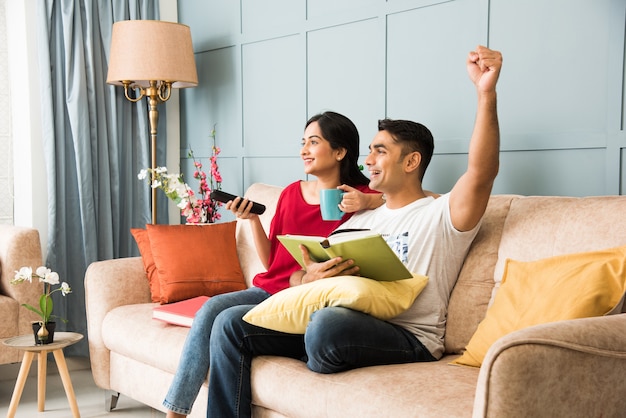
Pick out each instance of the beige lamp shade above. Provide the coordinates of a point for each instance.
(145, 50)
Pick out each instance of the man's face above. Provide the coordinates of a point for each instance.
(385, 164)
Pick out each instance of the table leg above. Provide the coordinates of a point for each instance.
(67, 382)
(42, 371)
(19, 384)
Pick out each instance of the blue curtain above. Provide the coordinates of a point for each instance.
(95, 142)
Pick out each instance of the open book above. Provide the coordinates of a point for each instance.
(368, 249)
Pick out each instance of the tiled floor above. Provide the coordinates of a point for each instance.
(89, 397)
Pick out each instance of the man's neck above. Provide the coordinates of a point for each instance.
(402, 198)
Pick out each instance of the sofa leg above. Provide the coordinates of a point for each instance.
(110, 400)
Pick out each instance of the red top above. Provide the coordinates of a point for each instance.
(293, 216)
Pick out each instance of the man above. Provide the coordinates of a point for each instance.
(432, 235)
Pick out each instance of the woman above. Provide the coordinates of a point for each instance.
(330, 150)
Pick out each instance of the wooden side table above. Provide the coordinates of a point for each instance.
(27, 344)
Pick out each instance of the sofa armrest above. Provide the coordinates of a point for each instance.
(20, 247)
(109, 284)
(565, 368)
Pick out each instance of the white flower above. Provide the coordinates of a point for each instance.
(52, 278)
(24, 274)
(156, 184)
(42, 271)
(181, 190)
(65, 288)
(161, 170)
(142, 174)
(46, 275)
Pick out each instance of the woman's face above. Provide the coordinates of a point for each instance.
(318, 156)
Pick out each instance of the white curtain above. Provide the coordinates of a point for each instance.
(95, 142)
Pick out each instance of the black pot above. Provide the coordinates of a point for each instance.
(44, 339)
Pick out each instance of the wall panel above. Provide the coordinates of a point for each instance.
(346, 73)
(329, 8)
(265, 66)
(269, 15)
(213, 23)
(216, 101)
(556, 66)
(273, 96)
(426, 80)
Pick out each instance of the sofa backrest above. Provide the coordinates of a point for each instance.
(527, 228)
(248, 257)
(522, 228)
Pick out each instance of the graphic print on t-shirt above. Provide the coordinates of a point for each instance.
(399, 244)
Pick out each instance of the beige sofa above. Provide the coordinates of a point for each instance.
(567, 368)
(19, 247)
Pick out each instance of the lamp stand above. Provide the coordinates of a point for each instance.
(156, 93)
(153, 116)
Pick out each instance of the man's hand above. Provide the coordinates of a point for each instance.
(355, 200)
(333, 267)
(483, 67)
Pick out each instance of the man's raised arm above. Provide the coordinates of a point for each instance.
(470, 195)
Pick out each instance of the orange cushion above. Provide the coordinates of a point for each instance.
(143, 243)
(195, 260)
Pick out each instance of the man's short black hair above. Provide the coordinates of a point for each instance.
(413, 136)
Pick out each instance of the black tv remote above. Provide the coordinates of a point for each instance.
(224, 197)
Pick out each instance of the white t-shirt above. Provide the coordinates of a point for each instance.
(422, 235)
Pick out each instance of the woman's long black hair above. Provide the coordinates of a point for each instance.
(340, 132)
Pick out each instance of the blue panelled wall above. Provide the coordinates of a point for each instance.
(265, 66)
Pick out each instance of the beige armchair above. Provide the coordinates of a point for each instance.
(19, 246)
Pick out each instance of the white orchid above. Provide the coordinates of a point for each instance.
(49, 278)
(65, 288)
(24, 274)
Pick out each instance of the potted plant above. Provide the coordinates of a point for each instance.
(44, 329)
(196, 207)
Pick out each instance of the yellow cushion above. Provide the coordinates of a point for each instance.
(552, 289)
(290, 310)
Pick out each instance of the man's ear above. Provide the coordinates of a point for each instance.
(412, 161)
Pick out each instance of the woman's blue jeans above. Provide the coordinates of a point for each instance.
(194, 361)
(336, 339)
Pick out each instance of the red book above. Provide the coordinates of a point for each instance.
(179, 313)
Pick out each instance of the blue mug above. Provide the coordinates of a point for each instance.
(329, 204)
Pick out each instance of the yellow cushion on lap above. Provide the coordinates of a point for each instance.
(553, 289)
(290, 310)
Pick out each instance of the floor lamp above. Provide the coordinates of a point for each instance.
(151, 57)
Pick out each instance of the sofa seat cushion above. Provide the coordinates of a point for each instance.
(434, 389)
(131, 332)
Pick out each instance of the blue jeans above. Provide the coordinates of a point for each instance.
(336, 339)
(194, 361)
